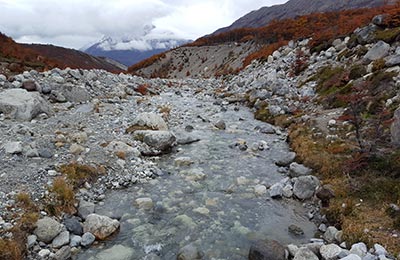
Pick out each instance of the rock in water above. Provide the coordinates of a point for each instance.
(23, 105)
(189, 252)
(267, 250)
(160, 140)
(100, 226)
(47, 229)
(305, 186)
(117, 252)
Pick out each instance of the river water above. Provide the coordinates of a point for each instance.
(212, 202)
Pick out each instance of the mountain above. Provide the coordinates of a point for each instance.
(130, 49)
(231, 51)
(294, 8)
(74, 58)
(16, 57)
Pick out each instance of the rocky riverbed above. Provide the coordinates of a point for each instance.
(183, 169)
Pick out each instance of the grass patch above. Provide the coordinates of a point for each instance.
(78, 174)
(388, 35)
(11, 249)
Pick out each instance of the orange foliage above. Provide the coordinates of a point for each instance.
(147, 62)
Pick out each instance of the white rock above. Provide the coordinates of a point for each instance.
(359, 249)
(13, 147)
(351, 257)
(379, 250)
(260, 190)
(330, 252)
(100, 226)
(144, 203)
(44, 253)
(276, 190)
(330, 234)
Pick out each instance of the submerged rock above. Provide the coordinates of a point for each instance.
(267, 250)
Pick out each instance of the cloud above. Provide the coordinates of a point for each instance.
(74, 23)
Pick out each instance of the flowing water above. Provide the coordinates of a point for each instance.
(212, 202)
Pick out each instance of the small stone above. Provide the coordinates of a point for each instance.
(44, 253)
(260, 190)
(76, 149)
(276, 190)
(45, 153)
(286, 160)
(288, 191)
(73, 225)
(31, 240)
(202, 211)
(305, 254)
(296, 170)
(100, 226)
(13, 147)
(330, 234)
(189, 252)
(63, 254)
(359, 249)
(220, 125)
(242, 180)
(85, 208)
(330, 252)
(380, 250)
(351, 257)
(295, 230)
(87, 239)
(322, 227)
(75, 241)
(144, 203)
(61, 240)
(183, 161)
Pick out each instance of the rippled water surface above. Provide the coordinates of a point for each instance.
(212, 202)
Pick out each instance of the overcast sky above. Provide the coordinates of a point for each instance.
(77, 23)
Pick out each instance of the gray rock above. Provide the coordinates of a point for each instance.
(117, 146)
(380, 250)
(359, 249)
(305, 254)
(351, 257)
(45, 153)
(85, 208)
(286, 160)
(73, 225)
(220, 125)
(267, 129)
(87, 239)
(144, 203)
(160, 140)
(267, 250)
(189, 252)
(393, 60)
(366, 34)
(295, 230)
(379, 19)
(23, 105)
(296, 170)
(395, 128)
(100, 226)
(305, 186)
(30, 85)
(75, 241)
(330, 252)
(31, 241)
(61, 240)
(119, 252)
(75, 93)
(276, 190)
(378, 51)
(369, 256)
(287, 191)
(44, 253)
(13, 147)
(330, 234)
(150, 121)
(63, 254)
(47, 229)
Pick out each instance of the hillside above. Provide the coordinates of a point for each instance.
(15, 57)
(259, 42)
(294, 8)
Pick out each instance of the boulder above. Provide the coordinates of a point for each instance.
(267, 250)
(23, 105)
(395, 128)
(305, 254)
(305, 186)
(47, 229)
(160, 140)
(296, 170)
(393, 60)
(276, 190)
(286, 160)
(378, 51)
(100, 226)
(330, 234)
(75, 93)
(30, 85)
(359, 249)
(148, 121)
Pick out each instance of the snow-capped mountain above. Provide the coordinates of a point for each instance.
(132, 48)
